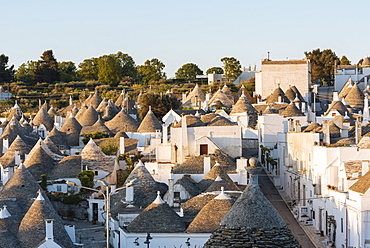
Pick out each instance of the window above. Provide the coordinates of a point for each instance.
(177, 195)
(59, 188)
(341, 225)
(96, 173)
(204, 149)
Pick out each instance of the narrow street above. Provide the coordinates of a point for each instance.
(277, 201)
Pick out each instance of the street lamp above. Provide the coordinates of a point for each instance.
(106, 196)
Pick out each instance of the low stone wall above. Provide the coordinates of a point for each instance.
(246, 237)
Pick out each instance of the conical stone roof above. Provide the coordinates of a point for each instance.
(274, 97)
(89, 117)
(209, 218)
(122, 122)
(355, 97)
(228, 93)
(58, 138)
(102, 105)
(244, 91)
(195, 95)
(42, 117)
(72, 129)
(50, 144)
(158, 217)
(95, 100)
(211, 176)
(38, 162)
(52, 112)
(291, 110)
(32, 230)
(17, 145)
(150, 123)
(223, 98)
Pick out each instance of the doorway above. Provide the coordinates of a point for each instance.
(204, 149)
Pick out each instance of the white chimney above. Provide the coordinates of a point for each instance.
(121, 145)
(365, 167)
(49, 229)
(165, 134)
(17, 158)
(207, 165)
(130, 194)
(171, 192)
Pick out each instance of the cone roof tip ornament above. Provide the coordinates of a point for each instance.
(222, 195)
(159, 199)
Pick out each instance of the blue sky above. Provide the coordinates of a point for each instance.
(175, 32)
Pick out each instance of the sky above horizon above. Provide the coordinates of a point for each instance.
(200, 32)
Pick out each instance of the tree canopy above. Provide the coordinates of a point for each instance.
(152, 70)
(344, 61)
(232, 68)
(27, 72)
(88, 69)
(215, 69)
(47, 68)
(160, 104)
(6, 72)
(67, 71)
(322, 64)
(188, 71)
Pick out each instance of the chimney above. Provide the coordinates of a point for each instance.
(358, 130)
(365, 115)
(17, 158)
(165, 134)
(326, 131)
(207, 165)
(279, 99)
(130, 194)
(335, 96)
(121, 145)
(365, 167)
(290, 125)
(183, 97)
(49, 229)
(297, 126)
(171, 192)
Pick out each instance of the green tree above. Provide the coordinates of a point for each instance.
(67, 71)
(128, 66)
(188, 71)
(109, 147)
(232, 68)
(87, 179)
(322, 64)
(88, 69)
(26, 72)
(109, 69)
(6, 72)
(152, 70)
(160, 104)
(47, 68)
(344, 61)
(217, 70)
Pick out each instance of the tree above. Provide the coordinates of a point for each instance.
(67, 71)
(87, 179)
(152, 70)
(216, 70)
(160, 104)
(88, 69)
(109, 69)
(27, 72)
(322, 64)
(6, 72)
(47, 68)
(344, 61)
(128, 66)
(188, 71)
(232, 68)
